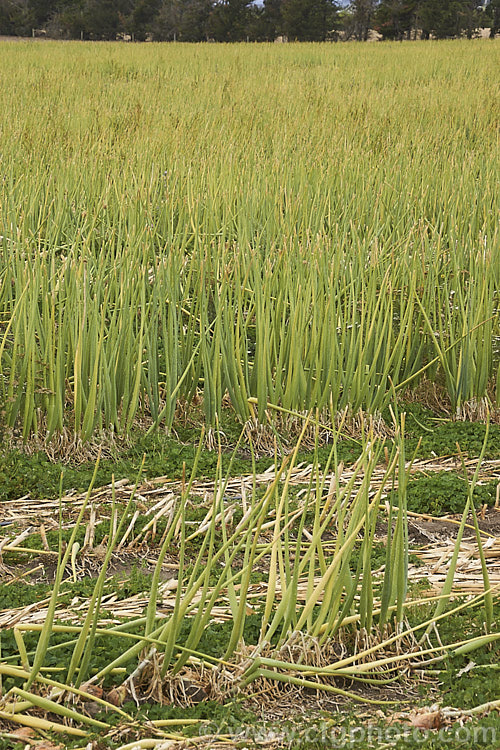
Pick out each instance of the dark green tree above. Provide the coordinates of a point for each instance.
(41, 11)
(68, 22)
(272, 19)
(15, 18)
(395, 19)
(142, 18)
(182, 20)
(448, 18)
(493, 17)
(228, 20)
(359, 19)
(425, 17)
(472, 16)
(308, 20)
(488, 16)
(103, 19)
(257, 29)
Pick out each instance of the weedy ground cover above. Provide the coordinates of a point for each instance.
(262, 589)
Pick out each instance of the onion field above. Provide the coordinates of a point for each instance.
(311, 227)
(258, 285)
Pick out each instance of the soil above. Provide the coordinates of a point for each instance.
(422, 531)
(121, 566)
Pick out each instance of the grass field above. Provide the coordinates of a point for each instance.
(249, 394)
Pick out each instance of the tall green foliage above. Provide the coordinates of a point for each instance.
(259, 222)
(308, 20)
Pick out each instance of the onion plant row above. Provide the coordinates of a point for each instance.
(308, 226)
(328, 619)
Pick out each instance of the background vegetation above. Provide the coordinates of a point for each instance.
(240, 20)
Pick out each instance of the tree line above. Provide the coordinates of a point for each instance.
(247, 20)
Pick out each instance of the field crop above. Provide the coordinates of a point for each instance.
(244, 245)
(308, 226)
